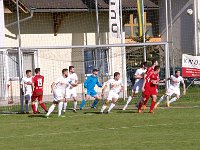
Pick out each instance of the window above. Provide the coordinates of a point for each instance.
(132, 28)
(96, 58)
(13, 63)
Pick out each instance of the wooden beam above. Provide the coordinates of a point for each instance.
(57, 21)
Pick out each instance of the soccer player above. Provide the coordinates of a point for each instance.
(71, 90)
(26, 86)
(149, 71)
(174, 88)
(89, 84)
(58, 88)
(37, 85)
(150, 89)
(116, 87)
(139, 76)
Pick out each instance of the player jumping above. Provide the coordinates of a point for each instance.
(139, 76)
(116, 87)
(174, 88)
(150, 89)
(26, 85)
(90, 84)
(37, 85)
(58, 88)
(71, 90)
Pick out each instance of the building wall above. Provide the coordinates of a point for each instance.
(182, 29)
(75, 29)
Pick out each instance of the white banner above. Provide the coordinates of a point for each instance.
(114, 19)
(190, 66)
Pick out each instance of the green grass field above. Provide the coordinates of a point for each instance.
(168, 128)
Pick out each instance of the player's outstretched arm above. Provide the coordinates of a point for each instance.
(143, 85)
(86, 82)
(164, 80)
(156, 82)
(98, 83)
(104, 88)
(184, 89)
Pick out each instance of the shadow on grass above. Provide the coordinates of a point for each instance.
(92, 112)
(126, 112)
(36, 116)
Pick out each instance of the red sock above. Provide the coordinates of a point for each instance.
(152, 105)
(43, 106)
(140, 105)
(34, 108)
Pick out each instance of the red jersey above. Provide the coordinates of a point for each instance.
(147, 83)
(153, 87)
(38, 81)
(150, 70)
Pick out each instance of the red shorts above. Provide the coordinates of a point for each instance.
(154, 91)
(37, 96)
(146, 95)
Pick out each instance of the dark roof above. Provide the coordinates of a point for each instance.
(81, 4)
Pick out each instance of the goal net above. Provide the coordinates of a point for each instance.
(89, 34)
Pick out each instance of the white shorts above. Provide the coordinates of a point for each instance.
(58, 95)
(172, 90)
(137, 88)
(71, 93)
(112, 95)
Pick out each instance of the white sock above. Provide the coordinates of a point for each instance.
(51, 109)
(112, 105)
(36, 106)
(172, 100)
(161, 99)
(75, 104)
(129, 100)
(60, 106)
(64, 106)
(103, 108)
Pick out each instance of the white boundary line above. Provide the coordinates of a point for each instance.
(95, 130)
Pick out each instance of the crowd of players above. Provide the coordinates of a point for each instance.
(64, 88)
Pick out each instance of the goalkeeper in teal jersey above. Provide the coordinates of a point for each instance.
(89, 84)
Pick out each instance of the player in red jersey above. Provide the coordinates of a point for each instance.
(150, 89)
(37, 85)
(149, 71)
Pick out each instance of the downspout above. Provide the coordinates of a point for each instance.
(22, 20)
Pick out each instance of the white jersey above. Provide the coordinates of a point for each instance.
(61, 83)
(73, 77)
(115, 85)
(140, 71)
(175, 81)
(27, 88)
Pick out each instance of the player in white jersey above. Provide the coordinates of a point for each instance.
(58, 89)
(26, 86)
(71, 90)
(174, 88)
(139, 79)
(116, 87)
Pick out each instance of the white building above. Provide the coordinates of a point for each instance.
(60, 23)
